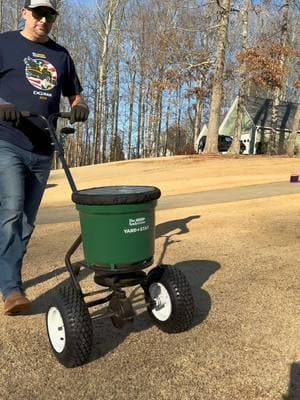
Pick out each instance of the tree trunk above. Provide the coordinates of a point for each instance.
(293, 135)
(55, 32)
(131, 101)
(197, 121)
(167, 126)
(179, 138)
(143, 126)
(112, 6)
(139, 121)
(16, 11)
(79, 134)
(95, 147)
(104, 125)
(115, 105)
(150, 125)
(158, 143)
(157, 119)
(235, 145)
(211, 146)
(273, 147)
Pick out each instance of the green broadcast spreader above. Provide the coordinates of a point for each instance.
(118, 235)
(127, 227)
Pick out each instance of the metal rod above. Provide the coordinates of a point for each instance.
(60, 151)
(96, 292)
(102, 314)
(100, 301)
(70, 252)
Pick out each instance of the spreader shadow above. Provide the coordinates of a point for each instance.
(43, 278)
(178, 225)
(40, 304)
(197, 273)
(171, 229)
(50, 185)
(294, 385)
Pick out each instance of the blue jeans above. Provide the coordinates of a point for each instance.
(23, 178)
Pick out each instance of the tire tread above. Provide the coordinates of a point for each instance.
(78, 327)
(179, 288)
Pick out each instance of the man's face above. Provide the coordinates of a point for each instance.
(37, 21)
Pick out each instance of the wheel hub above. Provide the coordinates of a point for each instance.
(162, 302)
(123, 311)
(56, 329)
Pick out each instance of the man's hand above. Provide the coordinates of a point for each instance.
(8, 112)
(79, 113)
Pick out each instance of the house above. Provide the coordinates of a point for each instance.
(256, 125)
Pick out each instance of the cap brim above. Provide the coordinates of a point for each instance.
(43, 4)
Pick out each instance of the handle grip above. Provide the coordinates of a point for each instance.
(65, 115)
(26, 114)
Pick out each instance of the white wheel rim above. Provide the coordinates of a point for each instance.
(163, 304)
(56, 329)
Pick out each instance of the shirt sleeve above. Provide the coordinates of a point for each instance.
(71, 85)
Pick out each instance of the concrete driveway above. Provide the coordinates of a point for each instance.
(219, 196)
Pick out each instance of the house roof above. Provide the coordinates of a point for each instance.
(260, 111)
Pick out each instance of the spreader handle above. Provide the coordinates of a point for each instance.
(26, 114)
(64, 115)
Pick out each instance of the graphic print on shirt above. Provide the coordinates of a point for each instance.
(41, 74)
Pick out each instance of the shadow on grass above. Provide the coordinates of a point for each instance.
(179, 225)
(294, 385)
(197, 273)
(169, 229)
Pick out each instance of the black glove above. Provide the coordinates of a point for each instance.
(79, 113)
(8, 112)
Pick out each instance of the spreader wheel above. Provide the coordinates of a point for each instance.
(69, 327)
(171, 300)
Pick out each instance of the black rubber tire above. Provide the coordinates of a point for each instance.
(77, 325)
(179, 290)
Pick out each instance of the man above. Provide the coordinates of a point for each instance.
(34, 72)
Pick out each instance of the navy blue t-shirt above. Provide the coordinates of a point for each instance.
(32, 77)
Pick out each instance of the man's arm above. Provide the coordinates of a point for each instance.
(77, 99)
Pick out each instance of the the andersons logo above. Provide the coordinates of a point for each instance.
(136, 225)
(137, 221)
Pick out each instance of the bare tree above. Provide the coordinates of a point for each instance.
(111, 8)
(115, 98)
(211, 146)
(235, 145)
(273, 148)
(294, 133)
